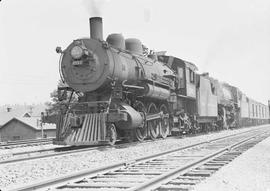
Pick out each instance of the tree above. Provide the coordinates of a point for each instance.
(55, 106)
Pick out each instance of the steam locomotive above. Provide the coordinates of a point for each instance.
(124, 91)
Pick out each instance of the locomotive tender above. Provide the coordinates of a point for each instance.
(125, 92)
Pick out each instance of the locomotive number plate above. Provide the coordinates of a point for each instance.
(77, 63)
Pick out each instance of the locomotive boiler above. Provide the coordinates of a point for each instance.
(122, 90)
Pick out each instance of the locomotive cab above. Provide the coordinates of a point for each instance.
(185, 108)
(185, 75)
(185, 87)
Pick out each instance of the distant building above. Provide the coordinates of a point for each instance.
(9, 112)
(19, 128)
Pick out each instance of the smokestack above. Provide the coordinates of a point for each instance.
(96, 28)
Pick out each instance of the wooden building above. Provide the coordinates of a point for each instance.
(19, 128)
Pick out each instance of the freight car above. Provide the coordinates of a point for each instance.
(126, 92)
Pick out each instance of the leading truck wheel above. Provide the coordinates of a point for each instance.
(165, 123)
(153, 125)
(111, 134)
(140, 134)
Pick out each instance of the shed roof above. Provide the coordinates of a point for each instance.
(20, 111)
(32, 122)
(6, 116)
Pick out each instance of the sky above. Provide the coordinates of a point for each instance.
(230, 39)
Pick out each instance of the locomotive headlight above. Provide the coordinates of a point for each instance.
(76, 52)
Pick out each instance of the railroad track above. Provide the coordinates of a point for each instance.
(65, 150)
(52, 152)
(23, 143)
(178, 169)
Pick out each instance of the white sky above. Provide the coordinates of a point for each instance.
(230, 39)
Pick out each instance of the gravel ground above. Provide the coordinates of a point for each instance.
(26, 172)
(248, 172)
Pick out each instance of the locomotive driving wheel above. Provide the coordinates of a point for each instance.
(165, 124)
(153, 125)
(140, 132)
(111, 134)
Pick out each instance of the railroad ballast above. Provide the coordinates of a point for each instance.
(124, 91)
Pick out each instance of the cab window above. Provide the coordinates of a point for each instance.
(181, 83)
(191, 76)
(180, 72)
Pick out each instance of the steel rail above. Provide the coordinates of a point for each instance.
(28, 140)
(25, 142)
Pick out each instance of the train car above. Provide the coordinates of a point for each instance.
(258, 113)
(207, 103)
(268, 111)
(124, 91)
(244, 116)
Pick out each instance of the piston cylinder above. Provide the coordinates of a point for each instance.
(134, 118)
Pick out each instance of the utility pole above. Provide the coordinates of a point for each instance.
(41, 126)
(42, 134)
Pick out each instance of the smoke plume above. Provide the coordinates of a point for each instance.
(147, 15)
(95, 8)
